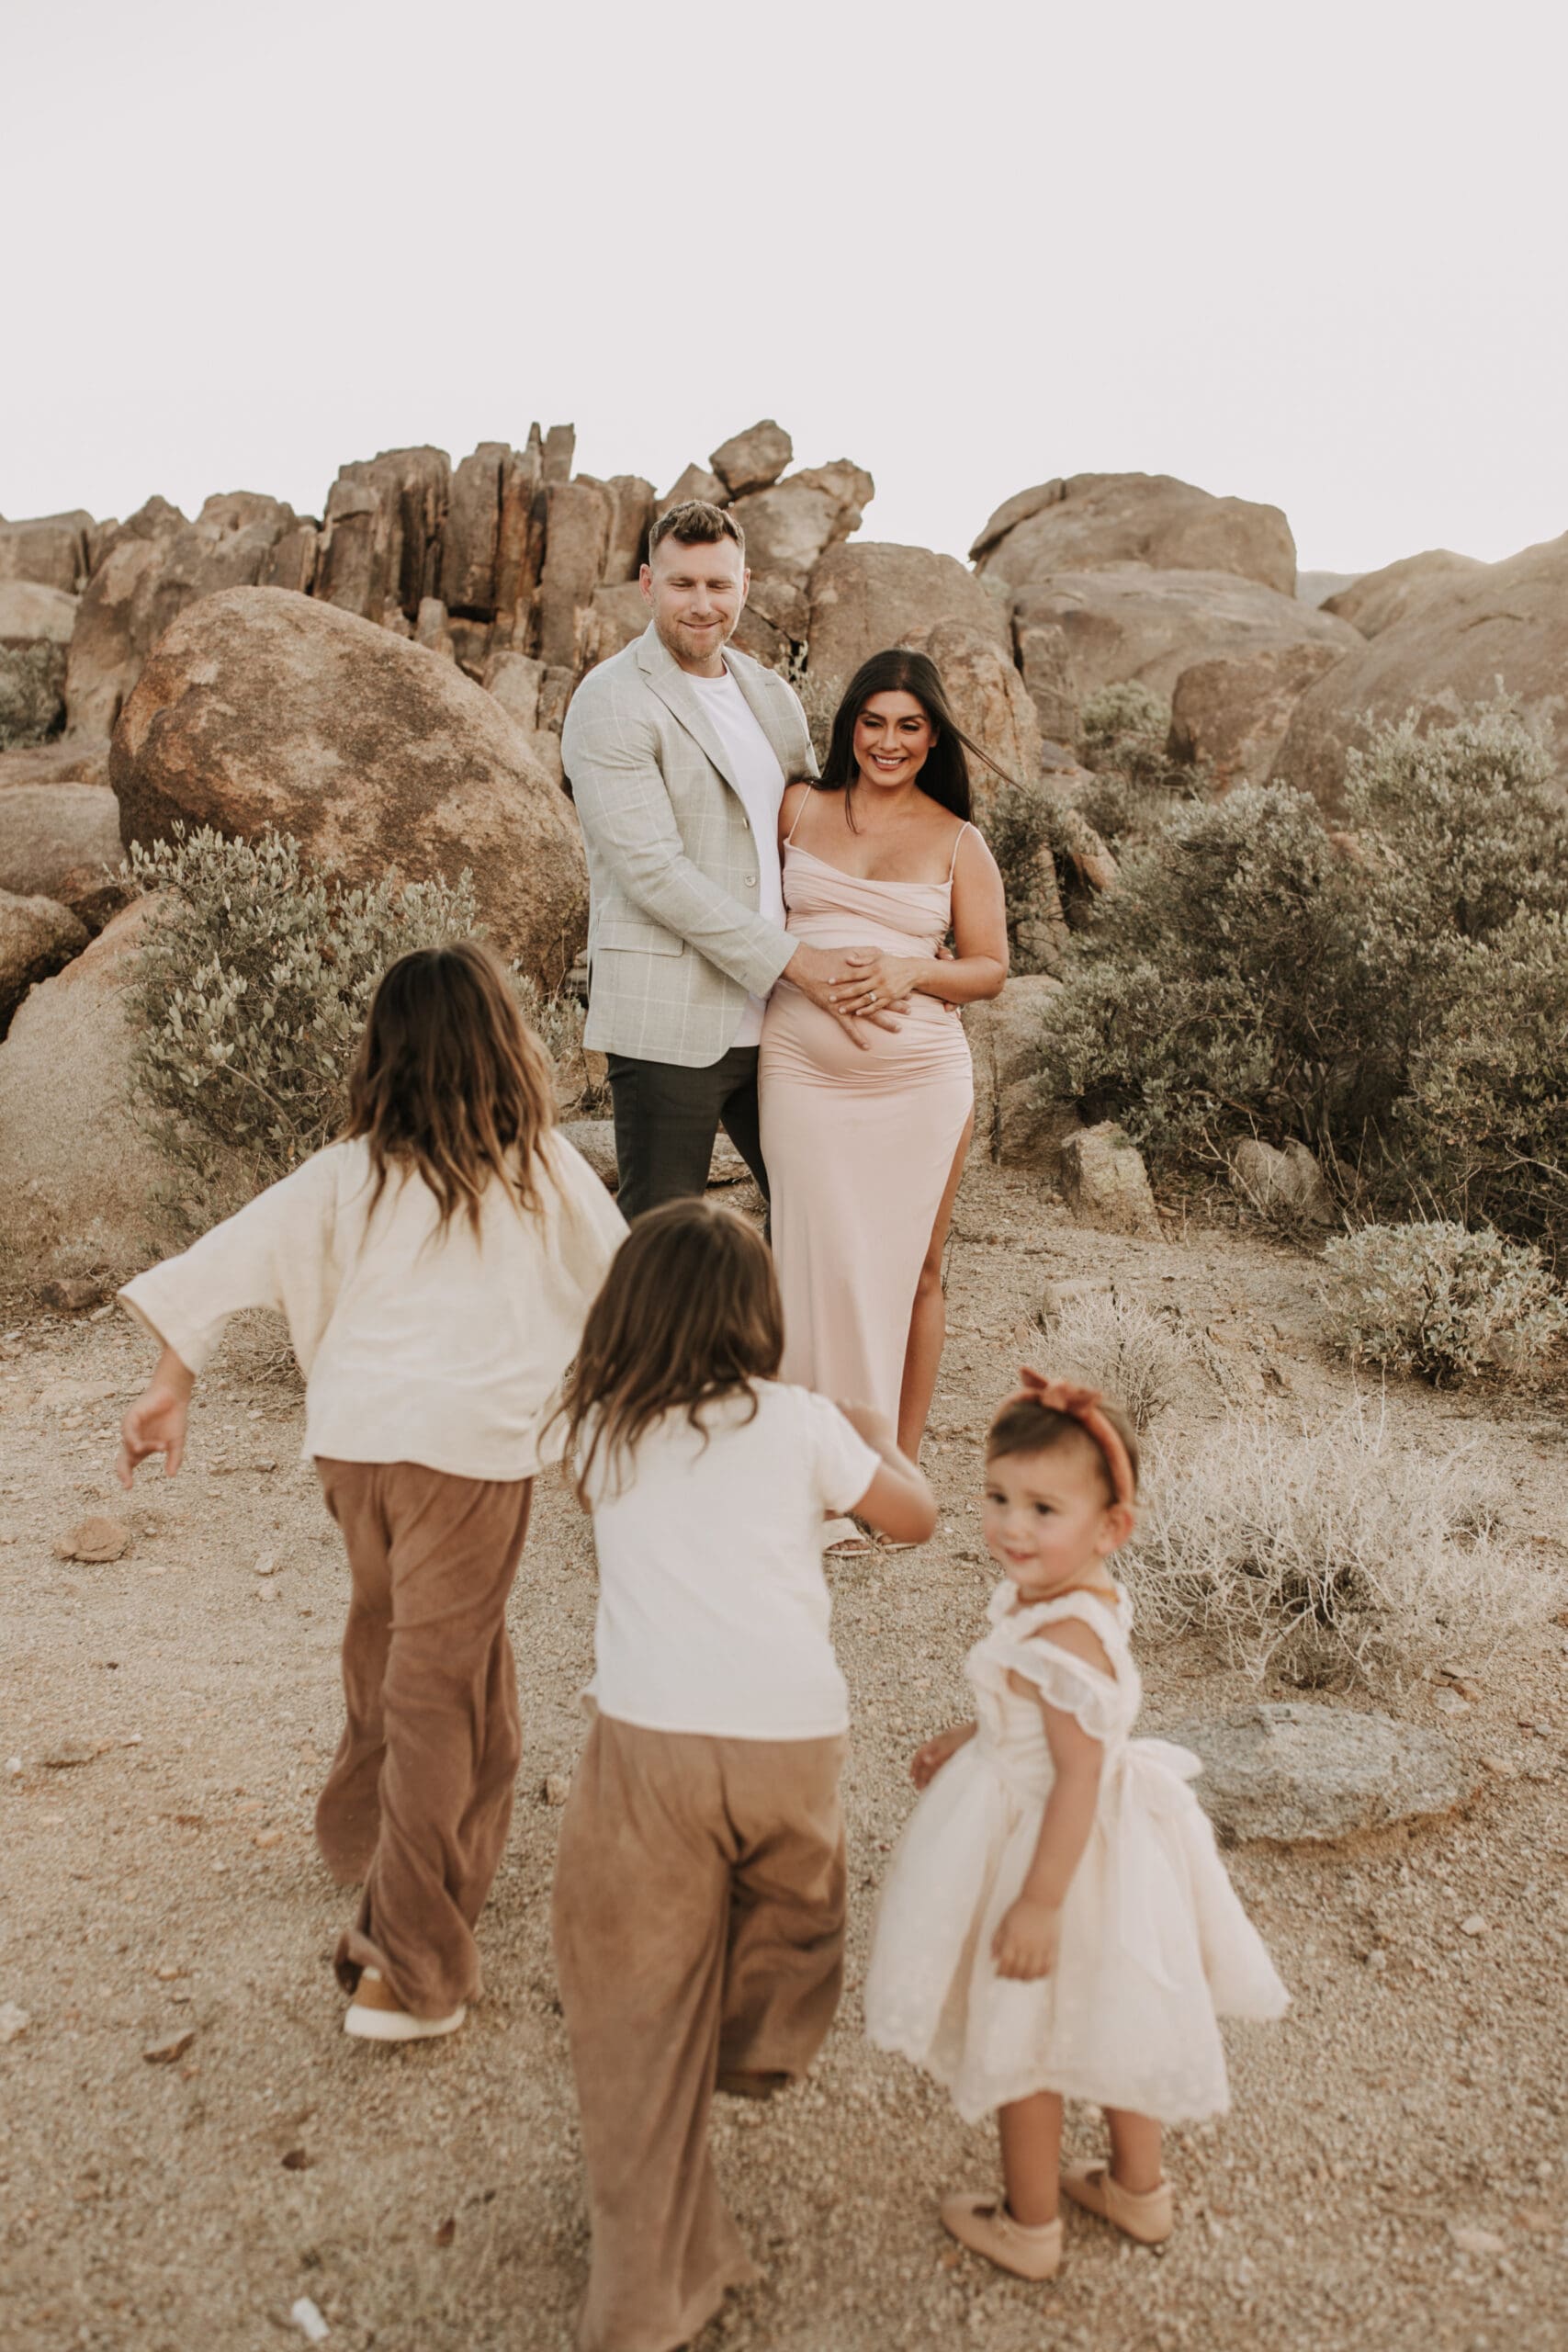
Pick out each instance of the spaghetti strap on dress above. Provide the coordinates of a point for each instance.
(1155, 1943)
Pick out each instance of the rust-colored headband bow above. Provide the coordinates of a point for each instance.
(1083, 1406)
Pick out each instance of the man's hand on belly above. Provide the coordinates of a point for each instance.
(851, 983)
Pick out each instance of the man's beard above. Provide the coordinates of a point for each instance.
(680, 636)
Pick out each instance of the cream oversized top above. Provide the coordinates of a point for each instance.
(417, 1345)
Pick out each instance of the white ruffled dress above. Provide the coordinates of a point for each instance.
(1154, 1941)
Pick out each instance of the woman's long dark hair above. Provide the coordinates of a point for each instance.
(451, 1082)
(690, 1313)
(899, 671)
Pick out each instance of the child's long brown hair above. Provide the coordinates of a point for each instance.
(451, 1082)
(690, 1313)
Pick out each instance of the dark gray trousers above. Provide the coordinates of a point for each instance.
(667, 1118)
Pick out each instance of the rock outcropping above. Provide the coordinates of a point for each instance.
(260, 708)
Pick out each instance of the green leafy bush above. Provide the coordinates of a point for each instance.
(251, 994)
(1436, 1299)
(1395, 997)
(1021, 825)
(1126, 728)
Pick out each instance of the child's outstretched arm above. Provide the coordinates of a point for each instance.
(156, 1422)
(1026, 1940)
(898, 1502)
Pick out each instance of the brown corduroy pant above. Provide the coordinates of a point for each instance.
(699, 1934)
(419, 1799)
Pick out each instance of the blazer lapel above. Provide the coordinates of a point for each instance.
(675, 691)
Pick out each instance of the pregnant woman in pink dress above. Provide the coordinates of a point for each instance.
(865, 1129)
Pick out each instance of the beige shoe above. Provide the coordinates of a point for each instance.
(845, 1539)
(375, 2014)
(1149, 2217)
(986, 2227)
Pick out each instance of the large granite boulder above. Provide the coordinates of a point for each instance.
(873, 594)
(1308, 1773)
(1076, 631)
(1374, 600)
(262, 708)
(73, 758)
(989, 699)
(61, 841)
(753, 460)
(1504, 622)
(82, 1188)
(1232, 712)
(55, 550)
(157, 564)
(380, 546)
(580, 518)
(789, 525)
(1006, 1035)
(1088, 520)
(36, 938)
(36, 623)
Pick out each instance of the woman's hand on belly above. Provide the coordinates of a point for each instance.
(881, 986)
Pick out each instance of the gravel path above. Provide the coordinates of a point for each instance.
(1394, 2173)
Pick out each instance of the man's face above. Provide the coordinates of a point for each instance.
(696, 590)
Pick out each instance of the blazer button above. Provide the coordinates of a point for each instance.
(751, 881)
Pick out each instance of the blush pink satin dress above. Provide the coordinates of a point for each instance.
(859, 1142)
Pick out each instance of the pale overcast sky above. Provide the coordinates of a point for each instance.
(1308, 254)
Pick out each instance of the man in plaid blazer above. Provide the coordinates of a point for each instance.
(678, 754)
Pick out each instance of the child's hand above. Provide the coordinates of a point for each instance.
(867, 1422)
(927, 1761)
(156, 1422)
(1025, 1944)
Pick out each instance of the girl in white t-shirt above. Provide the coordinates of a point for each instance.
(699, 1897)
(436, 1266)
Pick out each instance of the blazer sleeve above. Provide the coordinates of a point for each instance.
(622, 801)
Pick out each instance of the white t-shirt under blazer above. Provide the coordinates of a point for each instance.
(713, 1611)
(760, 781)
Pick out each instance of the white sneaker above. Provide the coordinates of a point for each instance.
(375, 2014)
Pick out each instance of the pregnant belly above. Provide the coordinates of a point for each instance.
(804, 1046)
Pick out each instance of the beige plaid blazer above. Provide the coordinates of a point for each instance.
(676, 942)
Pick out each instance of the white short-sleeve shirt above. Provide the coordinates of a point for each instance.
(713, 1611)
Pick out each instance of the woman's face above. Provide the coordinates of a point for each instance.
(893, 740)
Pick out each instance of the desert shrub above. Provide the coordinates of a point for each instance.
(1126, 729)
(1329, 1556)
(1136, 1357)
(1215, 986)
(1436, 1299)
(1397, 998)
(251, 993)
(582, 1089)
(32, 679)
(1021, 825)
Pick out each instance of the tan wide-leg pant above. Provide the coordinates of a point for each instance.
(419, 1799)
(699, 1933)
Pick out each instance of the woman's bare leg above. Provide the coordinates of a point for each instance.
(928, 1324)
(1030, 2134)
(1135, 2163)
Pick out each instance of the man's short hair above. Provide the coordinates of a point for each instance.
(696, 524)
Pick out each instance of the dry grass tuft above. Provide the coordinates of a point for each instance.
(1330, 1557)
(1139, 1359)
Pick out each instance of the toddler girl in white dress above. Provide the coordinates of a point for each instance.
(1056, 1922)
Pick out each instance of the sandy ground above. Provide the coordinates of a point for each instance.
(430, 2200)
